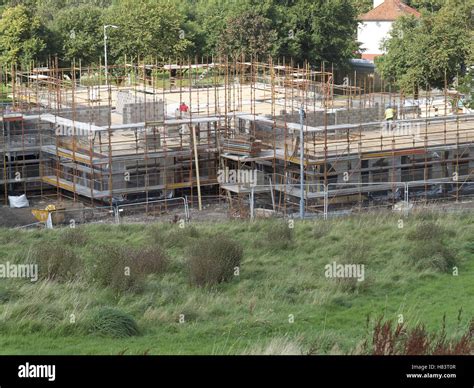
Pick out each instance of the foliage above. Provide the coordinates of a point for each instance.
(79, 29)
(110, 322)
(249, 312)
(124, 268)
(303, 30)
(147, 29)
(391, 339)
(248, 34)
(20, 36)
(59, 263)
(431, 5)
(214, 260)
(429, 51)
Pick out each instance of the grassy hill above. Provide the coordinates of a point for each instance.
(277, 300)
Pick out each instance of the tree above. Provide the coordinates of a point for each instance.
(429, 5)
(363, 6)
(249, 34)
(205, 24)
(20, 36)
(321, 31)
(147, 29)
(299, 29)
(80, 33)
(426, 51)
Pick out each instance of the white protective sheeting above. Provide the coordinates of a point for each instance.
(18, 201)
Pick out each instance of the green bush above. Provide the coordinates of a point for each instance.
(427, 231)
(175, 237)
(213, 260)
(6, 295)
(74, 237)
(110, 322)
(124, 268)
(32, 317)
(278, 235)
(434, 255)
(429, 249)
(321, 229)
(56, 262)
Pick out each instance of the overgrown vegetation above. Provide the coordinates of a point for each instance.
(214, 260)
(395, 339)
(162, 289)
(114, 323)
(430, 51)
(124, 268)
(430, 249)
(56, 262)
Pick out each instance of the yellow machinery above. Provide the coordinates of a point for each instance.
(42, 214)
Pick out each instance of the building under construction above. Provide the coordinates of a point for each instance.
(156, 131)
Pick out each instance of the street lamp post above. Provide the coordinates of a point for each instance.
(302, 117)
(105, 53)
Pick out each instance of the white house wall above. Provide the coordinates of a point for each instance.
(371, 34)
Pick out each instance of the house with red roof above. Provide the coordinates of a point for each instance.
(375, 25)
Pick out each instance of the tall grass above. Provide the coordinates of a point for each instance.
(280, 273)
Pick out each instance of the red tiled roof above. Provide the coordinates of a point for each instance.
(370, 57)
(389, 10)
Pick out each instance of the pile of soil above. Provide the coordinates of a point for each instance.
(9, 218)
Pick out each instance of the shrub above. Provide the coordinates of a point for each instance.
(110, 322)
(355, 251)
(6, 295)
(278, 235)
(433, 255)
(124, 268)
(172, 238)
(430, 250)
(469, 247)
(391, 339)
(74, 237)
(213, 260)
(56, 262)
(32, 317)
(149, 260)
(321, 229)
(427, 231)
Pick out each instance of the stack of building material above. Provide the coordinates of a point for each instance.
(242, 147)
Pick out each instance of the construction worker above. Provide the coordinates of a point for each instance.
(183, 108)
(389, 113)
(389, 116)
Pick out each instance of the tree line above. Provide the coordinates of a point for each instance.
(426, 51)
(34, 30)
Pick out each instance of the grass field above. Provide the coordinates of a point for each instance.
(278, 300)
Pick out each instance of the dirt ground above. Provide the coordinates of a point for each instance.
(10, 218)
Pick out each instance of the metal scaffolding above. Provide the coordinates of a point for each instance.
(67, 133)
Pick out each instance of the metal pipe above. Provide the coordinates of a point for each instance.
(302, 113)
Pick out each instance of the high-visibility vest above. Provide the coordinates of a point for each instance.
(389, 113)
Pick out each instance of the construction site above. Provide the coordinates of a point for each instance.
(259, 139)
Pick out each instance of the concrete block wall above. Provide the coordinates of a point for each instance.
(145, 111)
(356, 116)
(135, 108)
(125, 97)
(98, 115)
(337, 116)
